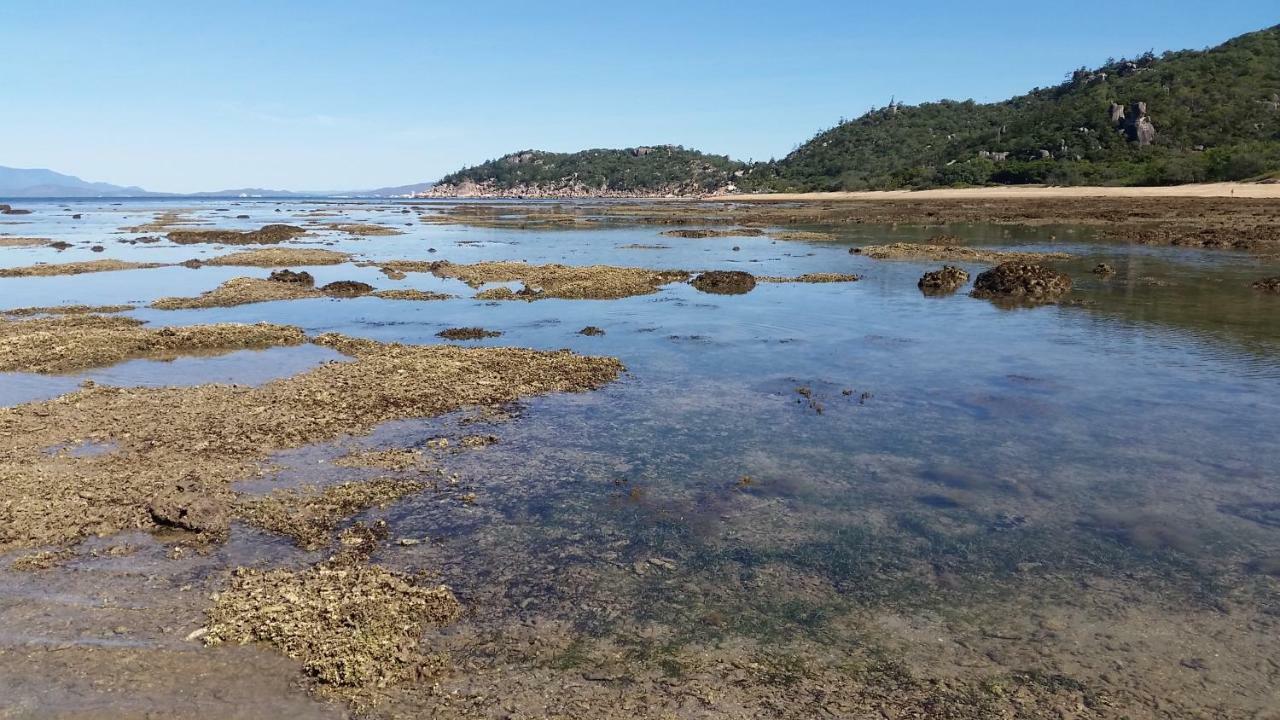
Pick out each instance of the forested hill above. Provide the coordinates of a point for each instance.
(656, 170)
(1179, 117)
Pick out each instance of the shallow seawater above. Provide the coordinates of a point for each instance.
(805, 463)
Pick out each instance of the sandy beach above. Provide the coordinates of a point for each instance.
(1204, 190)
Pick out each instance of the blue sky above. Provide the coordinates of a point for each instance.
(334, 95)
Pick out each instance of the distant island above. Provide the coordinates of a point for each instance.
(1180, 117)
(660, 170)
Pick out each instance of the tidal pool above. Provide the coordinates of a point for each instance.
(792, 490)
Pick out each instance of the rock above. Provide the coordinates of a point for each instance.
(193, 263)
(1137, 126)
(1045, 154)
(347, 288)
(77, 216)
(944, 281)
(7, 210)
(97, 248)
(591, 330)
(1021, 281)
(724, 282)
(59, 245)
(189, 506)
(1117, 114)
(289, 276)
(242, 217)
(1103, 269)
(1268, 285)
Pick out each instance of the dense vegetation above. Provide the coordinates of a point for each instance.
(1215, 114)
(659, 169)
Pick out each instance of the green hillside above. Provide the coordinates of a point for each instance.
(1216, 116)
(1179, 117)
(642, 170)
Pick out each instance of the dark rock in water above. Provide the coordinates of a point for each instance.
(188, 506)
(347, 288)
(1022, 282)
(242, 217)
(944, 281)
(96, 248)
(289, 276)
(1268, 285)
(1103, 269)
(77, 216)
(724, 282)
(591, 330)
(467, 333)
(59, 245)
(7, 210)
(193, 263)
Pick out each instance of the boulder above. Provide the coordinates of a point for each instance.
(944, 281)
(1137, 126)
(189, 506)
(347, 288)
(724, 282)
(1103, 269)
(289, 276)
(1023, 282)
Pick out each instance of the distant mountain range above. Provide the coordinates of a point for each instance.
(18, 182)
(36, 182)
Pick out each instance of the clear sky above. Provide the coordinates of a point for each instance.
(321, 94)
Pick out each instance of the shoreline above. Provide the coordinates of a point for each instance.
(1031, 192)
